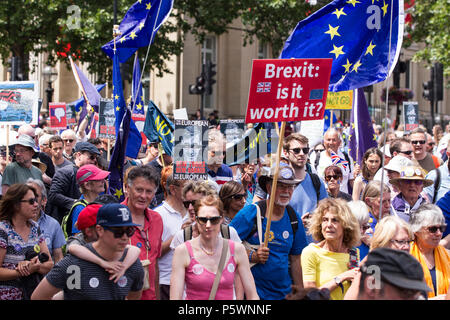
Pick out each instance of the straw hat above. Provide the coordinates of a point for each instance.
(412, 173)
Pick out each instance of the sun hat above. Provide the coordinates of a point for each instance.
(26, 141)
(285, 175)
(412, 173)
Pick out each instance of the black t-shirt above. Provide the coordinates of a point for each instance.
(83, 280)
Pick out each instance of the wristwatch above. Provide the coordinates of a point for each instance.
(337, 280)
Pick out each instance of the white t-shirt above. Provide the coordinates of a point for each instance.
(325, 161)
(172, 222)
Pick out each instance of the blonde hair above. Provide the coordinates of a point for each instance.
(386, 229)
(348, 221)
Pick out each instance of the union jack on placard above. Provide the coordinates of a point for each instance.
(263, 86)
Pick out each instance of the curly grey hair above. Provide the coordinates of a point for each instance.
(426, 215)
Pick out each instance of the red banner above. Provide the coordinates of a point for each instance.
(288, 90)
(58, 115)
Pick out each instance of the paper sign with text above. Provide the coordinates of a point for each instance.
(288, 90)
(58, 118)
(342, 100)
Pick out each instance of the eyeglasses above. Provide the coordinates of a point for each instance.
(297, 150)
(335, 177)
(406, 152)
(238, 197)
(434, 229)
(30, 201)
(318, 150)
(213, 220)
(400, 243)
(418, 141)
(416, 182)
(188, 203)
(68, 140)
(118, 232)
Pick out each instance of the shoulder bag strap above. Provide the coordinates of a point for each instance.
(212, 294)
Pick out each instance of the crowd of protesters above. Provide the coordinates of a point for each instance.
(334, 228)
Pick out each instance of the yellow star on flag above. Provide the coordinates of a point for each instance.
(118, 108)
(353, 2)
(374, 137)
(133, 35)
(347, 66)
(384, 8)
(353, 125)
(139, 106)
(141, 25)
(149, 5)
(118, 193)
(339, 13)
(332, 31)
(370, 48)
(122, 39)
(356, 66)
(116, 97)
(337, 51)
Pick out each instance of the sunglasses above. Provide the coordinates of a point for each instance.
(238, 196)
(434, 229)
(118, 232)
(297, 150)
(335, 177)
(68, 140)
(30, 201)
(319, 150)
(204, 220)
(188, 203)
(406, 152)
(417, 182)
(418, 142)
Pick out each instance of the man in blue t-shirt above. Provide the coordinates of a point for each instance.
(271, 269)
(304, 199)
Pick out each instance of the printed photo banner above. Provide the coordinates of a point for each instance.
(58, 118)
(106, 120)
(19, 102)
(190, 150)
(288, 90)
(410, 115)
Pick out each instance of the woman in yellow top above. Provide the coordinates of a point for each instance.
(333, 261)
(428, 225)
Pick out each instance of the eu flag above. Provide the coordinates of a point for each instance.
(329, 120)
(158, 128)
(134, 140)
(362, 136)
(137, 97)
(355, 34)
(138, 27)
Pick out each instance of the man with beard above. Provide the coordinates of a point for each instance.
(287, 237)
(306, 196)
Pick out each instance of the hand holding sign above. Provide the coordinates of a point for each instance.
(288, 90)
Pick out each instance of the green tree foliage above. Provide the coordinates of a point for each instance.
(80, 27)
(430, 25)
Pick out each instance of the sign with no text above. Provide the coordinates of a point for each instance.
(288, 90)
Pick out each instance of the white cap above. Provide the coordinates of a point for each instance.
(397, 163)
(387, 152)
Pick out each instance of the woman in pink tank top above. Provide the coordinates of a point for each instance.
(195, 262)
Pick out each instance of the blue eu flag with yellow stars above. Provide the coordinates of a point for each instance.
(137, 96)
(355, 34)
(138, 27)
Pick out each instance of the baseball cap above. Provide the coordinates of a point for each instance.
(26, 141)
(86, 146)
(397, 267)
(115, 215)
(88, 216)
(90, 172)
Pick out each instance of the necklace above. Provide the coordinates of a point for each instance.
(209, 253)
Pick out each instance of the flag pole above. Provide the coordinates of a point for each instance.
(274, 184)
(7, 144)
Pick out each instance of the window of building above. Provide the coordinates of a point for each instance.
(263, 50)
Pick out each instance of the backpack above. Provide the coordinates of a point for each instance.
(66, 223)
(437, 185)
(224, 230)
(291, 212)
(315, 180)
